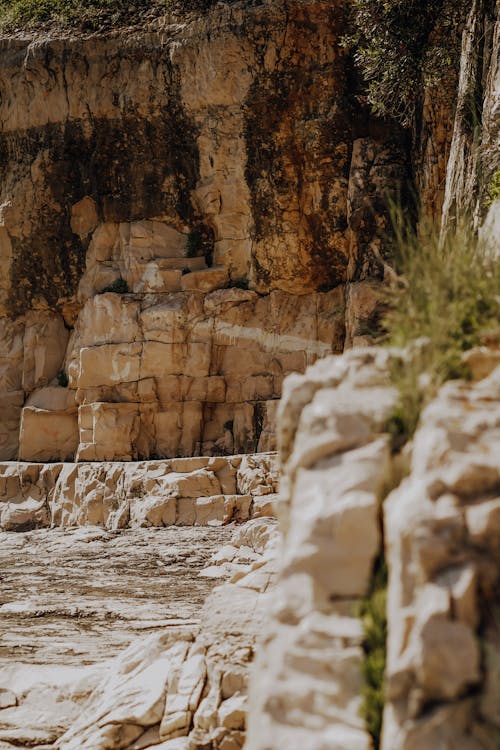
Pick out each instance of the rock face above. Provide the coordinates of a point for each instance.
(307, 682)
(182, 492)
(213, 157)
(442, 532)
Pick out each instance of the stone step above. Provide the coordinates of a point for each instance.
(205, 281)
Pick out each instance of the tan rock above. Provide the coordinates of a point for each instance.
(24, 516)
(48, 435)
(45, 341)
(204, 281)
(232, 712)
(108, 432)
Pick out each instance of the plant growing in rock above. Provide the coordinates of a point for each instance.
(372, 612)
(89, 15)
(493, 190)
(446, 300)
(399, 45)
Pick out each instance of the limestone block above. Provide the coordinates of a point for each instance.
(153, 511)
(338, 506)
(186, 511)
(52, 398)
(114, 430)
(109, 364)
(264, 506)
(226, 474)
(11, 354)
(205, 281)
(47, 435)
(237, 508)
(439, 672)
(170, 321)
(144, 278)
(219, 301)
(159, 360)
(107, 319)
(267, 439)
(137, 392)
(210, 511)
(104, 242)
(10, 418)
(336, 420)
(257, 388)
(178, 429)
(244, 428)
(24, 516)
(200, 483)
(45, 340)
(233, 711)
(146, 240)
(184, 688)
(181, 388)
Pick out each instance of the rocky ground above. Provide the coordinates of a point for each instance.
(70, 599)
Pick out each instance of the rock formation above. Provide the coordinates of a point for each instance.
(174, 169)
(194, 237)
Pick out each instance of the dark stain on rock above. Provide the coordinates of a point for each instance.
(134, 168)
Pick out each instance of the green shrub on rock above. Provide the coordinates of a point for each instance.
(447, 299)
(399, 45)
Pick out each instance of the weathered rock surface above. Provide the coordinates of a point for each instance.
(184, 682)
(214, 158)
(307, 683)
(442, 531)
(182, 492)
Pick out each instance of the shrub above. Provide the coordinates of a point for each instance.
(89, 15)
(118, 286)
(493, 190)
(448, 296)
(399, 45)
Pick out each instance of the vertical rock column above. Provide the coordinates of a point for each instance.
(307, 684)
(442, 530)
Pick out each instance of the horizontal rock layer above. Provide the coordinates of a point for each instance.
(184, 492)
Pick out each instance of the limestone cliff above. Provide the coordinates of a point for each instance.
(178, 167)
(192, 214)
